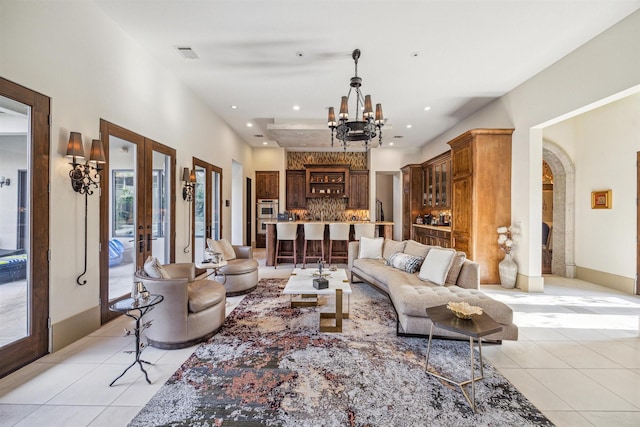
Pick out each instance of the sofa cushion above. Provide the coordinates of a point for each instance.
(416, 249)
(405, 262)
(240, 266)
(203, 294)
(222, 246)
(436, 265)
(371, 247)
(456, 267)
(390, 247)
(154, 269)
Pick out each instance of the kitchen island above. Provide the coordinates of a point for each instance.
(384, 229)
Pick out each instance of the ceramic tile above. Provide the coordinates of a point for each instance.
(623, 382)
(619, 352)
(497, 359)
(579, 391)
(90, 349)
(140, 392)
(617, 419)
(12, 414)
(540, 334)
(534, 390)
(61, 416)
(530, 355)
(578, 355)
(116, 416)
(567, 419)
(177, 357)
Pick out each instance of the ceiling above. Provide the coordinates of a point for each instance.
(429, 63)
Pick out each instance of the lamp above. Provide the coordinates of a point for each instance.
(360, 129)
(84, 176)
(4, 181)
(189, 179)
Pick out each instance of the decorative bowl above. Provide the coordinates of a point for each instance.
(463, 310)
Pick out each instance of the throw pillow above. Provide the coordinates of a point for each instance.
(222, 246)
(436, 265)
(154, 269)
(390, 247)
(456, 268)
(408, 263)
(371, 247)
(416, 249)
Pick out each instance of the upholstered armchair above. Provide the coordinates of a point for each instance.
(192, 310)
(241, 271)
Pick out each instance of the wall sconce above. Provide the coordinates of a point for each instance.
(84, 177)
(189, 179)
(4, 181)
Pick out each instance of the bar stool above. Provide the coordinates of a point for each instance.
(366, 230)
(338, 231)
(313, 232)
(286, 231)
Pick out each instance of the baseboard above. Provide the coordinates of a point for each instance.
(75, 327)
(612, 281)
(530, 283)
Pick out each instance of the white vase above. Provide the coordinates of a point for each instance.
(508, 272)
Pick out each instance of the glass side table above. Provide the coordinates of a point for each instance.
(136, 309)
(209, 265)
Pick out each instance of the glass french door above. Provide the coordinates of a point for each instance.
(137, 210)
(206, 206)
(24, 226)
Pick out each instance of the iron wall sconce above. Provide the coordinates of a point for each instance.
(85, 177)
(189, 180)
(4, 181)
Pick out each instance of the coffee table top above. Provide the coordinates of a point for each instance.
(206, 265)
(301, 282)
(476, 327)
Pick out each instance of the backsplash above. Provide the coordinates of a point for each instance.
(330, 210)
(297, 159)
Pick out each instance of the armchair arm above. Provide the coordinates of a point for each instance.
(181, 270)
(244, 252)
(354, 249)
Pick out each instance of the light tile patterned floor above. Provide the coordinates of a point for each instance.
(577, 359)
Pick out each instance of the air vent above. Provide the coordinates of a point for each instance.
(186, 52)
(398, 136)
(259, 136)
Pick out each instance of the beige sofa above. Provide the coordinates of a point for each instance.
(192, 310)
(410, 295)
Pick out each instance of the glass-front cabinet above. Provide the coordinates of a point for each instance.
(437, 179)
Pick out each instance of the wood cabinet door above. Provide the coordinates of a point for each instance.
(462, 213)
(296, 189)
(462, 161)
(359, 190)
(267, 184)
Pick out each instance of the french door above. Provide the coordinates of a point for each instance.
(137, 210)
(207, 212)
(24, 226)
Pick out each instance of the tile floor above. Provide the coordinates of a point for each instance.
(577, 360)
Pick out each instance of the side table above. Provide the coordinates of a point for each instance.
(136, 309)
(215, 267)
(476, 327)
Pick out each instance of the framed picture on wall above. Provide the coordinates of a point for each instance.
(601, 199)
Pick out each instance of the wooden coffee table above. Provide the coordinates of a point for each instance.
(475, 328)
(301, 283)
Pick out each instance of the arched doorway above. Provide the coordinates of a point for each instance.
(562, 236)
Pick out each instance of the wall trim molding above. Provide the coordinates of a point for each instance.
(608, 280)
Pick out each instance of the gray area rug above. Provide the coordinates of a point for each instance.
(269, 366)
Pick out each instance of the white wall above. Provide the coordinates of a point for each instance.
(607, 65)
(73, 53)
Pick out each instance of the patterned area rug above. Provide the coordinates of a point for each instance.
(269, 366)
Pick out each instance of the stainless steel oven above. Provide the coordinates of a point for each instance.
(267, 209)
(262, 226)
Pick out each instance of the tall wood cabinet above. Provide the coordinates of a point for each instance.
(296, 189)
(437, 180)
(481, 195)
(412, 184)
(267, 184)
(358, 189)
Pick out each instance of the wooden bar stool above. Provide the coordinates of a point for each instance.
(366, 230)
(286, 231)
(313, 232)
(338, 231)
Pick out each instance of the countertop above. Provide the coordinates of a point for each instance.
(434, 227)
(330, 222)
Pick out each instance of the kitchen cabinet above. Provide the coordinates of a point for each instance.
(358, 189)
(481, 195)
(331, 181)
(437, 179)
(267, 184)
(430, 235)
(296, 189)
(412, 205)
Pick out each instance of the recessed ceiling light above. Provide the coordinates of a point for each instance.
(415, 53)
(409, 126)
(234, 107)
(427, 108)
(249, 125)
(391, 143)
(296, 107)
(264, 143)
(299, 54)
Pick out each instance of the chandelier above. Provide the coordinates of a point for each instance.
(362, 129)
